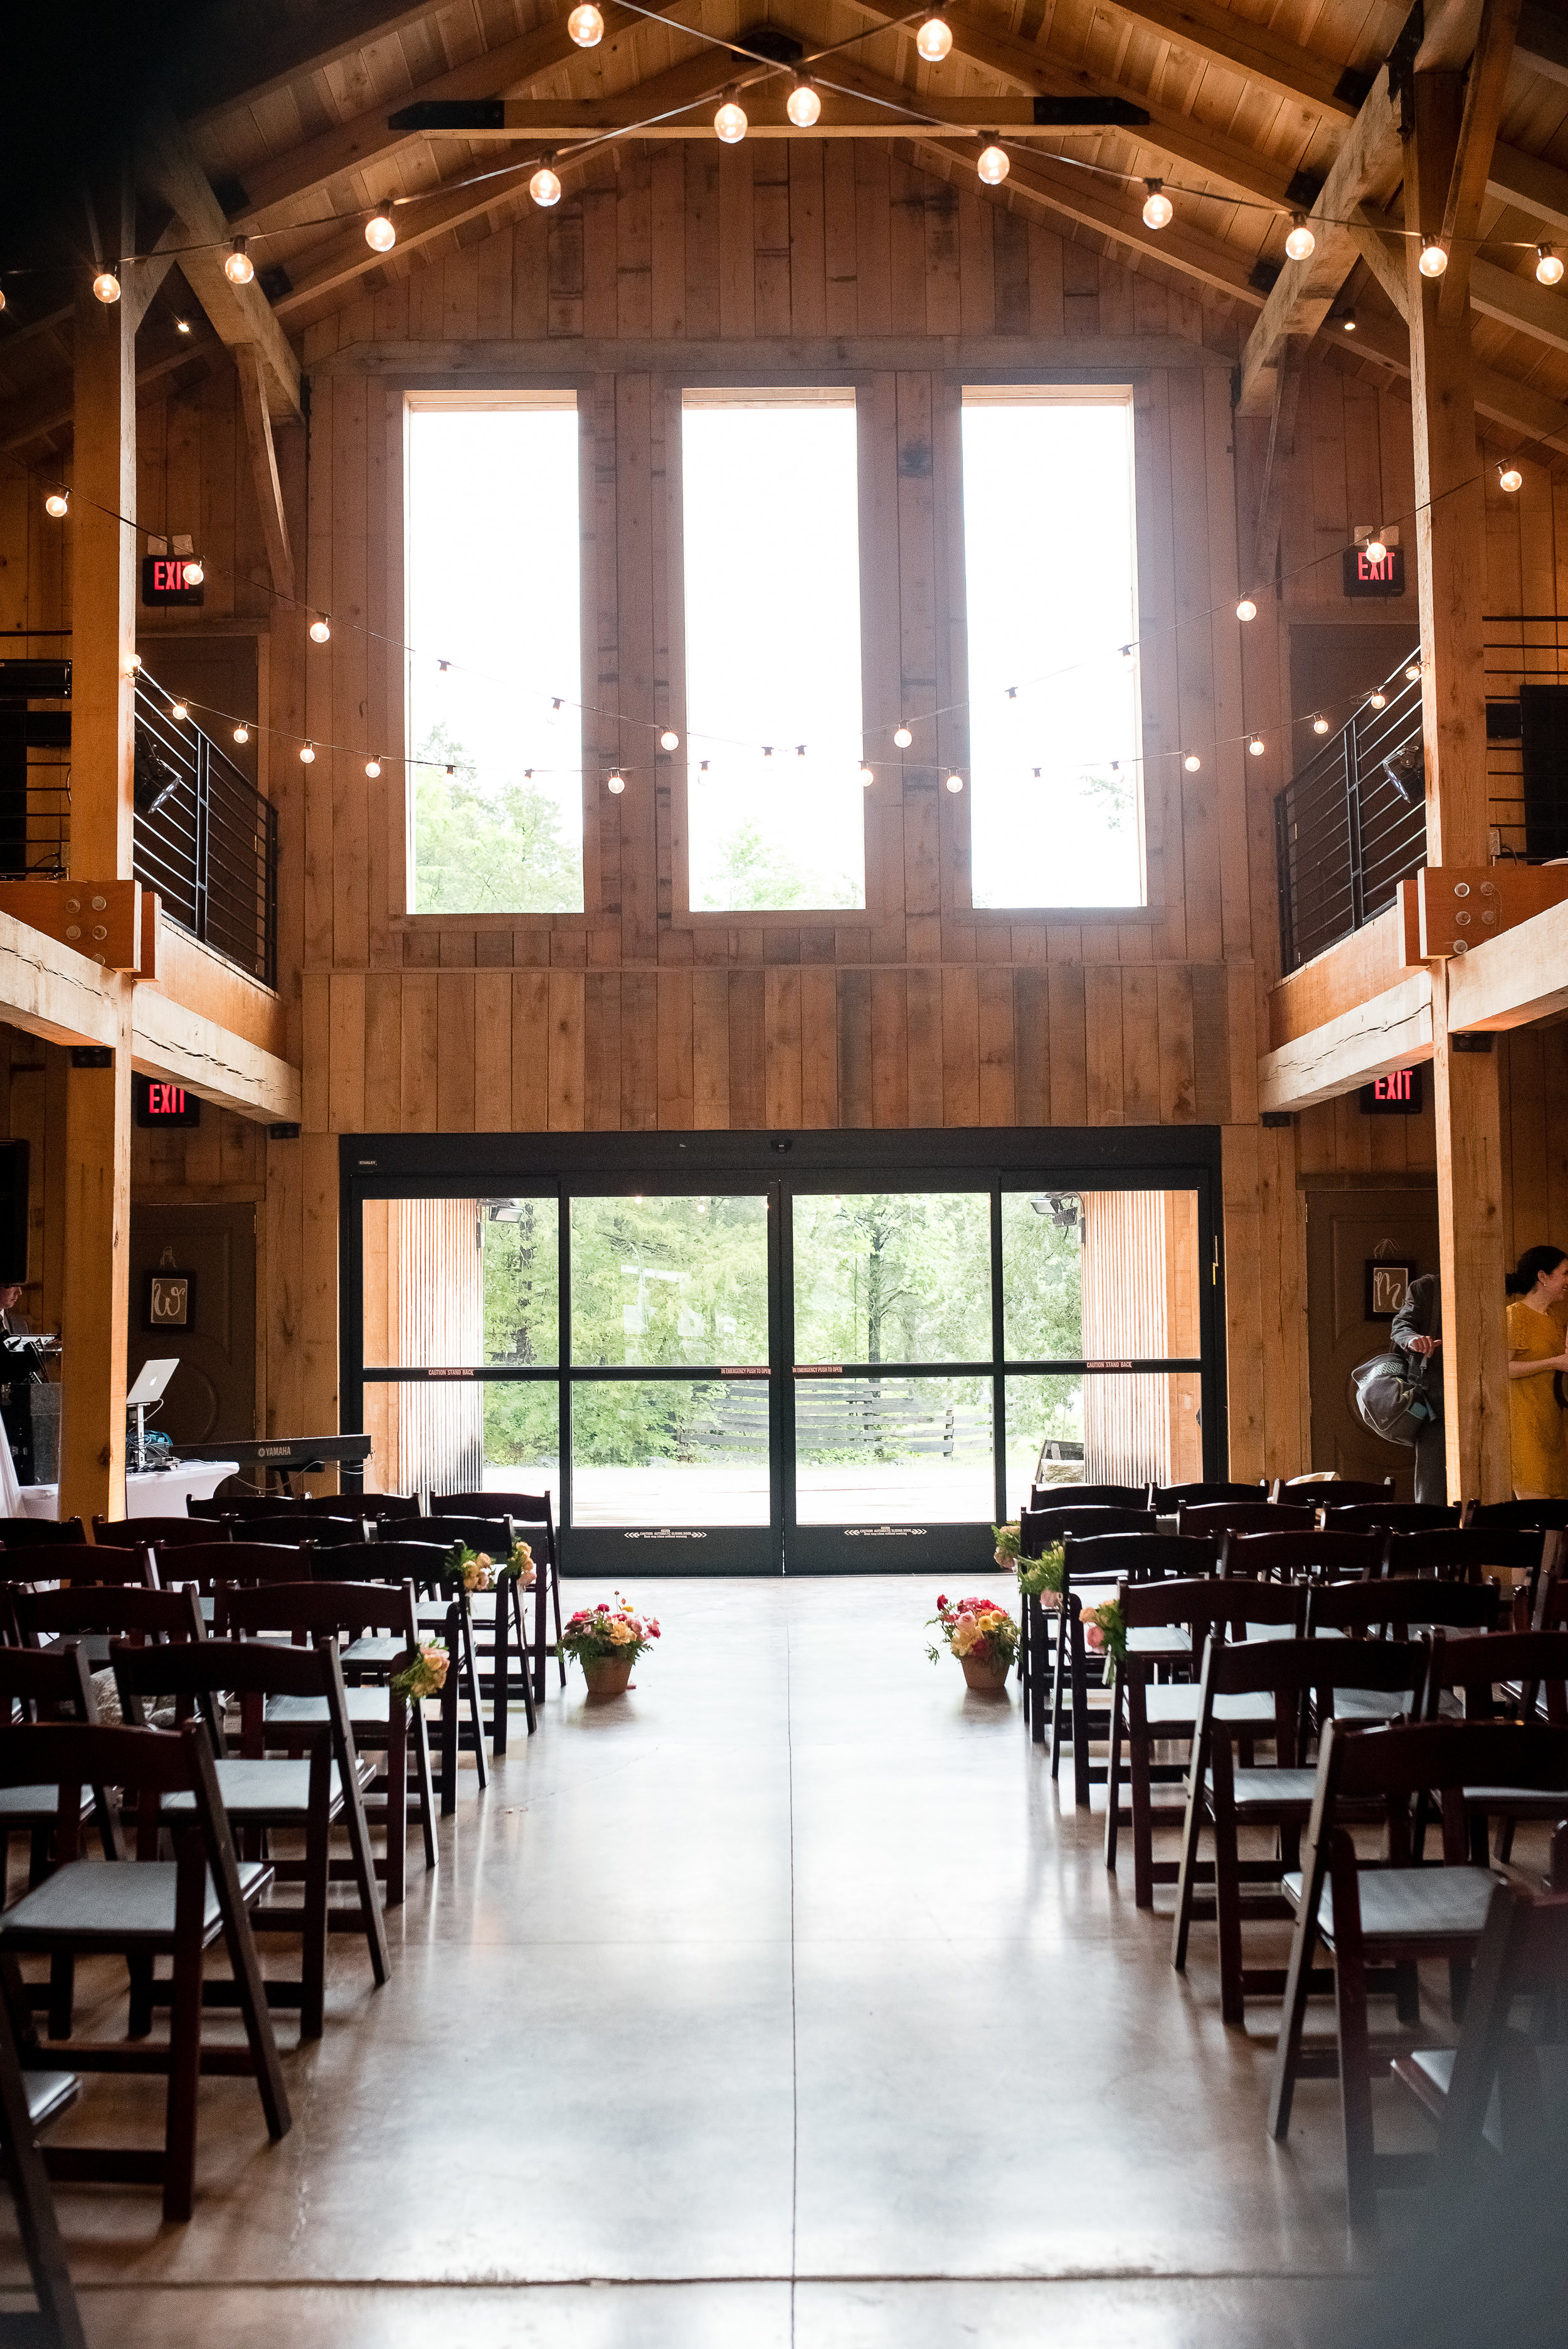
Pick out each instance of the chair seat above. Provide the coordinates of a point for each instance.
(367, 1709)
(1385, 1704)
(1271, 1789)
(1524, 1802)
(379, 1648)
(259, 1792)
(1437, 2063)
(1409, 1904)
(116, 1903)
(1179, 1707)
(26, 1806)
(1160, 1640)
(49, 2094)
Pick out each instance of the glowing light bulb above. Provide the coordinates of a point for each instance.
(934, 38)
(105, 286)
(803, 106)
(1320, 724)
(1301, 243)
(182, 325)
(955, 783)
(1256, 746)
(1158, 210)
(1246, 609)
(902, 737)
(1348, 322)
(587, 25)
(307, 754)
(379, 234)
(194, 574)
(1378, 701)
(1548, 266)
(618, 783)
(1191, 762)
(178, 711)
(867, 777)
(669, 740)
(545, 187)
(1377, 548)
(993, 166)
(2, 298)
(373, 768)
(239, 268)
(1509, 477)
(1433, 260)
(730, 122)
(321, 630)
(1412, 672)
(133, 665)
(58, 503)
(242, 733)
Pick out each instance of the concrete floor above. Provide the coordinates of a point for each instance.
(779, 2003)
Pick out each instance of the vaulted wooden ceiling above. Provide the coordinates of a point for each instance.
(278, 126)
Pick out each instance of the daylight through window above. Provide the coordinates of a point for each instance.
(1050, 586)
(771, 546)
(495, 738)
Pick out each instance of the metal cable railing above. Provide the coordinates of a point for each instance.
(1527, 735)
(1353, 825)
(205, 839)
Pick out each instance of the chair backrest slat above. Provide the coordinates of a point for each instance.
(1319, 1557)
(1038, 1529)
(121, 1609)
(1364, 1606)
(40, 1533)
(315, 1608)
(1464, 1554)
(1089, 1497)
(1211, 1600)
(136, 1533)
(1138, 1558)
(1402, 1516)
(1166, 1498)
(1242, 1517)
(211, 1563)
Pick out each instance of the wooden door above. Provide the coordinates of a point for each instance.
(211, 1398)
(1346, 1230)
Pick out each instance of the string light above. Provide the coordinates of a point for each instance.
(955, 783)
(1159, 211)
(1508, 476)
(767, 750)
(1256, 746)
(178, 711)
(1377, 547)
(133, 665)
(1246, 609)
(1301, 243)
(1412, 672)
(182, 325)
(1434, 260)
(587, 25)
(239, 268)
(373, 768)
(1548, 266)
(1191, 762)
(993, 166)
(307, 754)
(669, 740)
(702, 766)
(616, 783)
(1348, 322)
(1378, 701)
(802, 106)
(448, 770)
(867, 777)
(320, 630)
(902, 737)
(545, 187)
(194, 574)
(379, 234)
(934, 38)
(730, 121)
(242, 733)
(2, 298)
(105, 286)
(1320, 724)
(443, 671)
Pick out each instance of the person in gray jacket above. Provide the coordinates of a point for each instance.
(1417, 1329)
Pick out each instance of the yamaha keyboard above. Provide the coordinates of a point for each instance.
(292, 1455)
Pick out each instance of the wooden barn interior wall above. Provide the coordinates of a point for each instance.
(629, 1017)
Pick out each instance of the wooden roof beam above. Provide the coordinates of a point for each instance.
(168, 168)
(1484, 95)
(1542, 42)
(1530, 184)
(1532, 415)
(1369, 165)
(250, 48)
(1240, 47)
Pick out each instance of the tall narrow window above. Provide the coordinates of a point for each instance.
(771, 545)
(495, 726)
(1051, 586)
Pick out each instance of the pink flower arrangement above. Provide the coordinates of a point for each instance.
(610, 1630)
(1105, 1634)
(427, 1675)
(977, 1628)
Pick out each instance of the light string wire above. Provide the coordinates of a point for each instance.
(1132, 645)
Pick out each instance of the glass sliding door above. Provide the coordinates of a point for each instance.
(853, 1367)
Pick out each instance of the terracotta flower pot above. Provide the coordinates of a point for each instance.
(607, 1675)
(991, 1678)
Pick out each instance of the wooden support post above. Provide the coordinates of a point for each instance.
(94, 1326)
(1450, 554)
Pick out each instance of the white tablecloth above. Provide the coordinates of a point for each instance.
(160, 1494)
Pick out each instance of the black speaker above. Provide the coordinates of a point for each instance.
(13, 1212)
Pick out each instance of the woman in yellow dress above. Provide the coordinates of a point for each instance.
(1535, 1350)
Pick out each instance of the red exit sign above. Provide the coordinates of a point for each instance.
(1398, 1094)
(160, 1103)
(163, 580)
(1362, 578)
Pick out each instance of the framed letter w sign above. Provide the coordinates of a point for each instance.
(170, 1301)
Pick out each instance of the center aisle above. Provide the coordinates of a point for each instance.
(785, 1966)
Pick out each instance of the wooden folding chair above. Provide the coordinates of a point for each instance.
(1315, 1557)
(1542, 1515)
(532, 1517)
(495, 1534)
(1390, 1516)
(1217, 1518)
(1390, 1607)
(144, 1909)
(1086, 1496)
(1143, 1714)
(1474, 1554)
(1531, 1668)
(41, 1533)
(83, 1563)
(1332, 1492)
(29, 2101)
(94, 1614)
(1166, 1499)
(376, 1620)
(1039, 1528)
(1297, 1675)
(43, 1684)
(139, 1533)
(1094, 1566)
(266, 1796)
(1501, 2094)
(1391, 1916)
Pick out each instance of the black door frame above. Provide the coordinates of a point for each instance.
(462, 1166)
